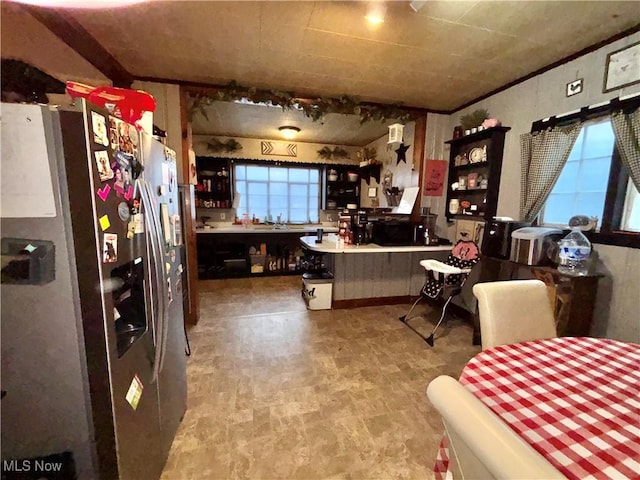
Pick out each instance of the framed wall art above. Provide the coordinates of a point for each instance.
(575, 87)
(622, 68)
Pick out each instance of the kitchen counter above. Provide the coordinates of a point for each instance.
(330, 245)
(254, 229)
(378, 275)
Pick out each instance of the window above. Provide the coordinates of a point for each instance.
(582, 185)
(594, 183)
(268, 192)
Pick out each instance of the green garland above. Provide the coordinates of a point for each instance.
(338, 152)
(214, 145)
(315, 109)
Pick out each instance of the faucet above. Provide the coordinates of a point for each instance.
(280, 225)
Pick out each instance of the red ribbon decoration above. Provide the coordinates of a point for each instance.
(126, 104)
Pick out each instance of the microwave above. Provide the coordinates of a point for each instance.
(496, 241)
(392, 232)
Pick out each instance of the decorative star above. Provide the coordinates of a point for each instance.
(402, 153)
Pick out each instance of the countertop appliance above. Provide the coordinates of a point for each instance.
(93, 343)
(392, 232)
(425, 233)
(496, 241)
(361, 227)
(529, 244)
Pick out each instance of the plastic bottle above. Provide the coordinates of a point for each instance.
(575, 250)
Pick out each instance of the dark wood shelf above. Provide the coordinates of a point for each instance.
(469, 191)
(368, 171)
(474, 137)
(470, 166)
(485, 199)
(214, 195)
(331, 187)
(461, 216)
(209, 173)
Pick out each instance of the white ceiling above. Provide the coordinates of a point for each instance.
(442, 57)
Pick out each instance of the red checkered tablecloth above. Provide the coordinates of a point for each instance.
(576, 400)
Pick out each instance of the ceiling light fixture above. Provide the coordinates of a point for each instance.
(289, 132)
(376, 12)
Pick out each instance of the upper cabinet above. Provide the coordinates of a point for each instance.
(214, 183)
(475, 165)
(341, 187)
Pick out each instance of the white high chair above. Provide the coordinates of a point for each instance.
(445, 280)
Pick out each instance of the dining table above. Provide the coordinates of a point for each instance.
(575, 400)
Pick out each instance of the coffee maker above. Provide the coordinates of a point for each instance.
(361, 228)
(425, 233)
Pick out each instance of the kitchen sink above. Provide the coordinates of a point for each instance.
(262, 227)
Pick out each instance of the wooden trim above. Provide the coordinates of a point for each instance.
(540, 71)
(184, 132)
(419, 138)
(67, 29)
(193, 315)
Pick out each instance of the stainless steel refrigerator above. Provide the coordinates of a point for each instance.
(93, 339)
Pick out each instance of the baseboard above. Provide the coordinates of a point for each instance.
(370, 302)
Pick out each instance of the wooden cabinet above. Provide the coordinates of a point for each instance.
(229, 255)
(341, 187)
(475, 164)
(214, 188)
(572, 298)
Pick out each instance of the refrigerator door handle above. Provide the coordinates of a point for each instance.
(150, 217)
(163, 328)
(165, 297)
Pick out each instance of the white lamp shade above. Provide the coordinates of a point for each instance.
(395, 133)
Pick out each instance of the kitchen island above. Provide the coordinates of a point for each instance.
(372, 274)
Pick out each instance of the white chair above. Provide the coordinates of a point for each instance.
(481, 445)
(514, 311)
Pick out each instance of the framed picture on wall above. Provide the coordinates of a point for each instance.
(622, 68)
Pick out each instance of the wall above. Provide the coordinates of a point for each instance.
(543, 96)
(404, 173)
(167, 114)
(24, 38)
(438, 132)
(252, 149)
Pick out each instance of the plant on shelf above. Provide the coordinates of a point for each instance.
(368, 156)
(338, 152)
(232, 145)
(474, 118)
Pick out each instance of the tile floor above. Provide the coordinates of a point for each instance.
(277, 391)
